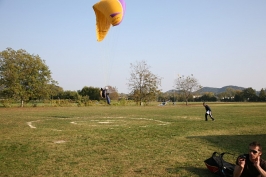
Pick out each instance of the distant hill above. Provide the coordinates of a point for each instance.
(219, 90)
(213, 89)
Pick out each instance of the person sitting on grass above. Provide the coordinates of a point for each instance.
(251, 164)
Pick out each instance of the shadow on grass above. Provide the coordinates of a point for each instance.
(196, 171)
(235, 144)
(61, 116)
(232, 143)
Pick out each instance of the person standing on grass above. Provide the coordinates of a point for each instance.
(251, 164)
(208, 112)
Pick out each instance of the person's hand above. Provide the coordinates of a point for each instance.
(241, 162)
(257, 162)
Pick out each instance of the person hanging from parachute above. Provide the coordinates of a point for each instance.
(107, 12)
(104, 94)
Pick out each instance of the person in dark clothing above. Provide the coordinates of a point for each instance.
(104, 94)
(251, 164)
(108, 100)
(208, 112)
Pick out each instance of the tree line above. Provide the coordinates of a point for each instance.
(25, 77)
(230, 95)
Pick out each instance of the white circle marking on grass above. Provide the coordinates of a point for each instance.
(30, 123)
(112, 121)
(59, 141)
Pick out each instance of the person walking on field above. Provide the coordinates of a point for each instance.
(208, 112)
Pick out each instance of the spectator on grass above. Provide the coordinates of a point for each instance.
(208, 112)
(251, 164)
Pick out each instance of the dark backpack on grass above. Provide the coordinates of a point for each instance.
(217, 165)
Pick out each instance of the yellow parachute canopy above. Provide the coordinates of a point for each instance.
(108, 12)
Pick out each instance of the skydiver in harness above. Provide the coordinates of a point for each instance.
(105, 94)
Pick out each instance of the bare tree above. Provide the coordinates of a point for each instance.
(113, 93)
(143, 84)
(187, 85)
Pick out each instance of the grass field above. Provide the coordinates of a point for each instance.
(171, 140)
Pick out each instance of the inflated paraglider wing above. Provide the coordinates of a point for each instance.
(108, 12)
(102, 25)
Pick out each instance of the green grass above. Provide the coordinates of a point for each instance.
(171, 140)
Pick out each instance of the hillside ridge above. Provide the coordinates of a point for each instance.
(214, 89)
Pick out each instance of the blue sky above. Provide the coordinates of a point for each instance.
(220, 42)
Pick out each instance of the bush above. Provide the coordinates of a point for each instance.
(123, 102)
(7, 102)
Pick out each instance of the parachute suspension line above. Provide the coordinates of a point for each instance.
(114, 50)
(109, 49)
(106, 48)
(105, 56)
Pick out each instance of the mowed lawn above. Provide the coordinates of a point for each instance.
(171, 140)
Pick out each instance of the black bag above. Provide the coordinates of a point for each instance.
(217, 165)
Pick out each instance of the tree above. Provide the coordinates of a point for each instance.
(262, 95)
(69, 94)
(228, 95)
(249, 94)
(92, 92)
(207, 96)
(55, 91)
(187, 85)
(167, 96)
(113, 94)
(222, 96)
(143, 84)
(239, 96)
(24, 76)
